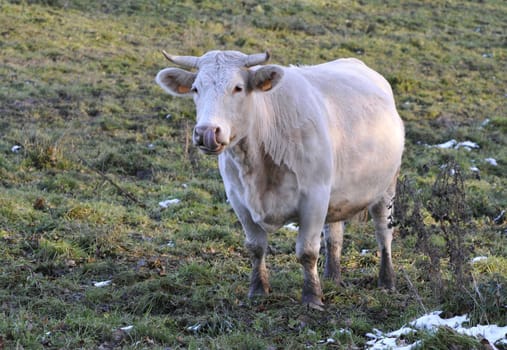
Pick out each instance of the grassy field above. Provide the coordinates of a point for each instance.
(89, 146)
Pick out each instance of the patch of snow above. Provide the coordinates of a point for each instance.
(468, 145)
(491, 161)
(169, 202)
(485, 122)
(127, 329)
(376, 334)
(402, 331)
(383, 343)
(500, 217)
(492, 333)
(102, 283)
(453, 144)
(292, 226)
(446, 145)
(479, 258)
(16, 148)
(431, 322)
(195, 328)
(451, 171)
(365, 252)
(474, 169)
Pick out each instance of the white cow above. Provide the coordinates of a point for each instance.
(312, 144)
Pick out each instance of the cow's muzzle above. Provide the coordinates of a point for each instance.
(208, 139)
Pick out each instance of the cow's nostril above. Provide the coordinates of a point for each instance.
(198, 136)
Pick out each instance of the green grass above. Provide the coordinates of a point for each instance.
(102, 144)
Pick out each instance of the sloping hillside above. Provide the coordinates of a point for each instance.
(89, 147)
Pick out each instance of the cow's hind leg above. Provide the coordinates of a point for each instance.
(333, 237)
(381, 215)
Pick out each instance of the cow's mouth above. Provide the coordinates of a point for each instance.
(212, 151)
(207, 139)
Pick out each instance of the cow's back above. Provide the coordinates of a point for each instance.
(348, 79)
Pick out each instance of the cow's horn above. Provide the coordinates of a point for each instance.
(257, 58)
(185, 61)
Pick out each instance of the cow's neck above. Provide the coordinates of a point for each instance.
(277, 129)
(252, 156)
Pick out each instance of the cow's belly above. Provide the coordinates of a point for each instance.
(357, 191)
(344, 210)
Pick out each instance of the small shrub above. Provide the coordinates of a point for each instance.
(44, 151)
(440, 219)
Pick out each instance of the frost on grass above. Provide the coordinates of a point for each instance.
(431, 322)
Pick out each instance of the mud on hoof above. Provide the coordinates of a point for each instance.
(386, 278)
(258, 290)
(313, 302)
(387, 285)
(386, 281)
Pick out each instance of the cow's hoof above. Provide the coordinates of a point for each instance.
(313, 302)
(318, 307)
(387, 284)
(387, 287)
(258, 291)
(335, 278)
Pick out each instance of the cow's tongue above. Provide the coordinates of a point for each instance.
(210, 140)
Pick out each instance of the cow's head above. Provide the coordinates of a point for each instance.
(221, 88)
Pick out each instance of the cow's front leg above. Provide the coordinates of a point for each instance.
(256, 242)
(312, 217)
(257, 245)
(312, 292)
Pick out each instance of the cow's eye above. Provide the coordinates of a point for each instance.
(237, 89)
(194, 90)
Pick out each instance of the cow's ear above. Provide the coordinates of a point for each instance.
(177, 82)
(266, 78)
